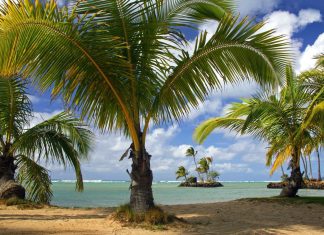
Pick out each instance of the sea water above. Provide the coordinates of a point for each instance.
(113, 193)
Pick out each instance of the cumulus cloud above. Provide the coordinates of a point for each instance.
(233, 167)
(306, 60)
(287, 23)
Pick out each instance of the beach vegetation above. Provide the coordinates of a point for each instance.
(125, 65)
(153, 216)
(287, 121)
(191, 152)
(24, 149)
(182, 173)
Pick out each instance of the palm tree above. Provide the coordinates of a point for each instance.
(287, 121)
(124, 66)
(318, 165)
(313, 81)
(62, 139)
(182, 172)
(191, 152)
(204, 165)
(213, 175)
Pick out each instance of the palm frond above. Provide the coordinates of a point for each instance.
(15, 107)
(62, 139)
(35, 179)
(236, 52)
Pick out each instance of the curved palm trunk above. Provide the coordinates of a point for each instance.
(8, 187)
(310, 167)
(295, 180)
(318, 165)
(199, 176)
(141, 198)
(304, 160)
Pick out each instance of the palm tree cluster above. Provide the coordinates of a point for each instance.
(291, 122)
(203, 167)
(61, 139)
(125, 67)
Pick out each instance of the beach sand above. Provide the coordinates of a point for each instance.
(235, 217)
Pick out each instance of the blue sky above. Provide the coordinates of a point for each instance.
(235, 157)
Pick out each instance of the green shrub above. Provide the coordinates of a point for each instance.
(154, 216)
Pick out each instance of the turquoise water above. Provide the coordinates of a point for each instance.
(105, 194)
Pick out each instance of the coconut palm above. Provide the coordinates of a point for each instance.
(182, 172)
(62, 139)
(319, 177)
(125, 65)
(204, 165)
(191, 152)
(213, 175)
(312, 81)
(287, 121)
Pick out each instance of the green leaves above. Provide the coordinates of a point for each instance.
(288, 121)
(15, 107)
(115, 61)
(35, 179)
(237, 51)
(62, 139)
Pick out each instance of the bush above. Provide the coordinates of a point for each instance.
(191, 180)
(16, 201)
(154, 216)
(22, 203)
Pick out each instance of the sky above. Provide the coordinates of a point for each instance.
(237, 158)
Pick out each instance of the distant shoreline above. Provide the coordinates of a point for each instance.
(155, 182)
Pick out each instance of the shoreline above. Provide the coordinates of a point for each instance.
(243, 216)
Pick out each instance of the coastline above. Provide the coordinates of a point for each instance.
(244, 216)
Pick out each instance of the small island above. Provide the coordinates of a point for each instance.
(207, 176)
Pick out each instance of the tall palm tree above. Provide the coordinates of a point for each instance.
(182, 172)
(204, 165)
(287, 121)
(319, 177)
(191, 152)
(123, 64)
(313, 82)
(62, 139)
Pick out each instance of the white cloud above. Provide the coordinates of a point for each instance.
(306, 60)
(252, 7)
(233, 167)
(288, 23)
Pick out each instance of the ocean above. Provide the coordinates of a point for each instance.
(99, 193)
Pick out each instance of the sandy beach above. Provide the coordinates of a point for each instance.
(235, 217)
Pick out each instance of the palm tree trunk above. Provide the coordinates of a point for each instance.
(8, 187)
(305, 166)
(310, 167)
(319, 165)
(199, 176)
(141, 198)
(295, 180)
(282, 170)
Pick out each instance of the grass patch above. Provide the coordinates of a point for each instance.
(293, 200)
(155, 217)
(22, 203)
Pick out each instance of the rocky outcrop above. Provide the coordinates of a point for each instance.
(308, 184)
